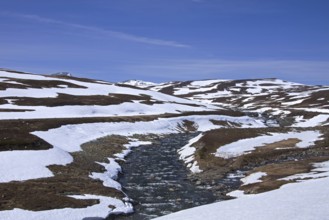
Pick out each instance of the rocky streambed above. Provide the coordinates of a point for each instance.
(159, 183)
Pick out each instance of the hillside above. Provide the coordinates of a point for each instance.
(64, 141)
(285, 102)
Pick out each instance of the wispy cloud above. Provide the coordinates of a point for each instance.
(309, 72)
(97, 30)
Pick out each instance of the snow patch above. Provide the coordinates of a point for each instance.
(253, 178)
(313, 122)
(110, 175)
(20, 165)
(187, 154)
(244, 146)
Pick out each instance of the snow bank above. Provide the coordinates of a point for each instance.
(187, 154)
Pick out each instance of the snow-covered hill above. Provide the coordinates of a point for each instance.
(27, 96)
(65, 138)
(284, 101)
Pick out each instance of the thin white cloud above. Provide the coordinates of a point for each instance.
(98, 30)
(315, 72)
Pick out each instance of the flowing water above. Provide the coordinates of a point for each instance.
(157, 181)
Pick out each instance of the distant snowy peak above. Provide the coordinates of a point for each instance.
(138, 83)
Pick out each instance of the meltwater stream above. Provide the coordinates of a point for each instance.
(155, 178)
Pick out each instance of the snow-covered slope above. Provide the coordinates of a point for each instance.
(285, 101)
(64, 138)
(27, 96)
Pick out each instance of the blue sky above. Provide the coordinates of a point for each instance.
(165, 40)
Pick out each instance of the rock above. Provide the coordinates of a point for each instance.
(198, 183)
